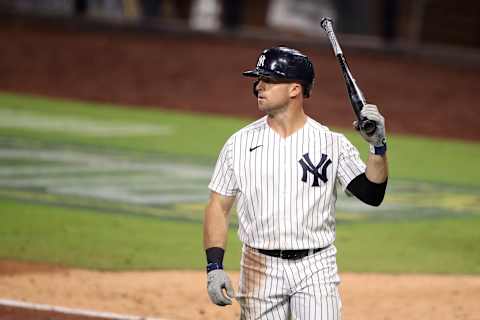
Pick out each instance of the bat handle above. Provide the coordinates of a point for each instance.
(368, 126)
(327, 25)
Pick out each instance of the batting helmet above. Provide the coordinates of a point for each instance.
(282, 63)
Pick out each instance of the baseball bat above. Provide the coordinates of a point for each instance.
(355, 94)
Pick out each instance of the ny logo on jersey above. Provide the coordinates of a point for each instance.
(308, 166)
(261, 61)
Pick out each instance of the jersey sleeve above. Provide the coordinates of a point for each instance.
(350, 165)
(223, 179)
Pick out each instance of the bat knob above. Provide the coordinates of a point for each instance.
(325, 21)
(368, 126)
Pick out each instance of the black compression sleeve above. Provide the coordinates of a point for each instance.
(369, 192)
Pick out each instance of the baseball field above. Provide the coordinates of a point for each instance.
(102, 187)
(102, 203)
(70, 171)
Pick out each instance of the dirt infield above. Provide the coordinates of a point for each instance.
(181, 295)
(14, 313)
(204, 74)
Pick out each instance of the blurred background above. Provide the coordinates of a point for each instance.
(401, 24)
(408, 56)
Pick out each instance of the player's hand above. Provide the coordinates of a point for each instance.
(370, 112)
(217, 282)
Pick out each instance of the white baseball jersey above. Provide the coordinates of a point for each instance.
(286, 187)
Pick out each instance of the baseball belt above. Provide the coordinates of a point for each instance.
(289, 254)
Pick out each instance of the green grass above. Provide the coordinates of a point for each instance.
(424, 246)
(196, 135)
(80, 238)
(47, 231)
(74, 237)
(201, 136)
(428, 159)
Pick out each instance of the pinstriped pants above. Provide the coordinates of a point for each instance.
(281, 289)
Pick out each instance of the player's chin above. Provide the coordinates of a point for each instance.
(268, 108)
(262, 104)
(264, 109)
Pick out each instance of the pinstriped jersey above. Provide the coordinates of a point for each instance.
(286, 188)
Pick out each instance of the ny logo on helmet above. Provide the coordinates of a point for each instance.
(261, 61)
(308, 166)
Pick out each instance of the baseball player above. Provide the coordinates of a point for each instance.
(284, 170)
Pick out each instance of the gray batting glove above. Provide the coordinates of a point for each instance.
(377, 139)
(217, 281)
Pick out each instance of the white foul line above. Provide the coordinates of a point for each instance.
(70, 311)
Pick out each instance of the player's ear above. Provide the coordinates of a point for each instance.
(295, 89)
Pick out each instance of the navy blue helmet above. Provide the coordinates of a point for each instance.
(282, 63)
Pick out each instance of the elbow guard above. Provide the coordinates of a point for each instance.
(368, 192)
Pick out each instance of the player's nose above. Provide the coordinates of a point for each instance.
(260, 86)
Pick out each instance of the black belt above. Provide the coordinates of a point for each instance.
(289, 254)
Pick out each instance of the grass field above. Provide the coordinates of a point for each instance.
(107, 187)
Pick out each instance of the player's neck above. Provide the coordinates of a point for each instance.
(288, 122)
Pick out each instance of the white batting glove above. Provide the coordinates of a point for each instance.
(377, 140)
(217, 282)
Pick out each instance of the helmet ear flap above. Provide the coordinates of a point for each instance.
(255, 91)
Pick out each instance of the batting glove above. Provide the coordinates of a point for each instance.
(217, 281)
(377, 141)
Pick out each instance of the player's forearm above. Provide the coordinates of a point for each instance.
(215, 226)
(377, 168)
